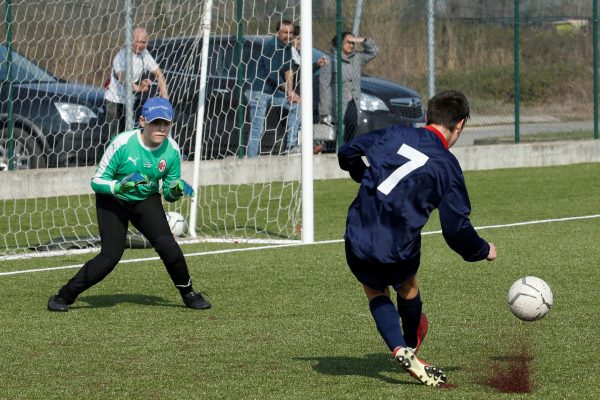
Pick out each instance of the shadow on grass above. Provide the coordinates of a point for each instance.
(370, 366)
(111, 300)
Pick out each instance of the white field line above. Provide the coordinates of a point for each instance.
(279, 246)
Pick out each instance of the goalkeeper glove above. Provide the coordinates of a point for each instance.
(181, 187)
(129, 183)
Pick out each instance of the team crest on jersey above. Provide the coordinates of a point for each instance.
(162, 164)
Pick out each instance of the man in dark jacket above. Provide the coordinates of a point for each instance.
(273, 85)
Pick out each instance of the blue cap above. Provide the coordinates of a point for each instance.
(157, 108)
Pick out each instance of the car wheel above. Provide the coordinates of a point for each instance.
(27, 152)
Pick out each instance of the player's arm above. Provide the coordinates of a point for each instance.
(350, 154)
(104, 180)
(170, 193)
(173, 186)
(107, 179)
(457, 229)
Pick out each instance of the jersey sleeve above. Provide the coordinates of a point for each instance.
(173, 174)
(457, 229)
(350, 154)
(105, 180)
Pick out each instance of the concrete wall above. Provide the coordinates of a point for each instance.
(70, 181)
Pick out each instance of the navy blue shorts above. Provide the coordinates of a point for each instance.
(379, 276)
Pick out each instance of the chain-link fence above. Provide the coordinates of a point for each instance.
(474, 48)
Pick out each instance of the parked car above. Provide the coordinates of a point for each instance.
(56, 123)
(226, 126)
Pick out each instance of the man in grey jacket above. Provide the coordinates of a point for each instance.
(352, 62)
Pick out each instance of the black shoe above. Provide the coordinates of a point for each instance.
(57, 303)
(196, 301)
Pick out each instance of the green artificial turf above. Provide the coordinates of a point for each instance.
(292, 323)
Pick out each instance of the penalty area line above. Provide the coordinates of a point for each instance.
(279, 246)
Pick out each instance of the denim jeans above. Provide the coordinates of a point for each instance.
(257, 107)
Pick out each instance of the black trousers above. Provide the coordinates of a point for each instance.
(350, 120)
(113, 214)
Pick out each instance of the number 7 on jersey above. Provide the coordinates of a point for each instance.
(417, 159)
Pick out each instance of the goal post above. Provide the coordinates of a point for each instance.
(306, 82)
(264, 199)
(201, 109)
(226, 51)
(307, 226)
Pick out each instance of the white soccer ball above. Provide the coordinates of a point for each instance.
(530, 298)
(176, 223)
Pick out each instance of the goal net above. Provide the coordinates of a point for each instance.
(56, 57)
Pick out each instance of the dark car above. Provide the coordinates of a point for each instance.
(230, 62)
(56, 123)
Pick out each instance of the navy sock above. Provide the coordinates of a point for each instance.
(410, 313)
(387, 321)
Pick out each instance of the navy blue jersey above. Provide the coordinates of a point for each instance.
(410, 173)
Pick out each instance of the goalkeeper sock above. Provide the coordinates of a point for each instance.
(387, 321)
(185, 289)
(410, 313)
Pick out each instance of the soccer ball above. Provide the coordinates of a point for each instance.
(530, 298)
(176, 223)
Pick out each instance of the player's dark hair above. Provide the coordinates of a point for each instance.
(283, 22)
(447, 108)
(296, 30)
(334, 40)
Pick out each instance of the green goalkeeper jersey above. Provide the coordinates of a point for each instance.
(127, 154)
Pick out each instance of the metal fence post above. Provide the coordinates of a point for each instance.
(431, 45)
(595, 39)
(129, 102)
(10, 143)
(517, 73)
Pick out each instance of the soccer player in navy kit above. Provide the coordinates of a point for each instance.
(127, 189)
(410, 172)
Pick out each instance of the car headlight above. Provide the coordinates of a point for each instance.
(372, 103)
(75, 113)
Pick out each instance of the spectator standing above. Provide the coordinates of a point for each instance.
(296, 58)
(410, 172)
(143, 64)
(352, 62)
(273, 84)
(127, 183)
(317, 147)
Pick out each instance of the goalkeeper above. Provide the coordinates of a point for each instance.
(127, 189)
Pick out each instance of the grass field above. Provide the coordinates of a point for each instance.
(291, 322)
